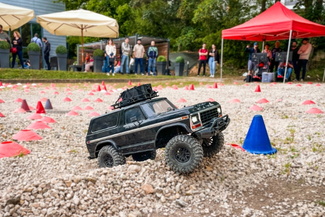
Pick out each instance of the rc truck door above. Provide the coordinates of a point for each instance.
(137, 137)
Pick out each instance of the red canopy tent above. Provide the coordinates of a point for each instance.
(276, 23)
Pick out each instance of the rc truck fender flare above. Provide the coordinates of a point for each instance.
(188, 130)
(104, 143)
(181, 125)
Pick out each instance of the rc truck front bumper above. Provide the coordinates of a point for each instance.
(217, 125)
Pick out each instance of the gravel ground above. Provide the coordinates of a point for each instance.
(57, 179)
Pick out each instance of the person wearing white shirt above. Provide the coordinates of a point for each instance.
(110, 51)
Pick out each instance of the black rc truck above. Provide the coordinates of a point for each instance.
(142, 122)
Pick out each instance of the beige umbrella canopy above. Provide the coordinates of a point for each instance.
(79, 23)
(13, 17)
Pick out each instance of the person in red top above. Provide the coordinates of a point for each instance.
(203, 54)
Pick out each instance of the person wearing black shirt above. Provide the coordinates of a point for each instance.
(275, 64)
(17, 43)
(295, 56)
(47, 49)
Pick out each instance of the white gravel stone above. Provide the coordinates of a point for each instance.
(57, 179)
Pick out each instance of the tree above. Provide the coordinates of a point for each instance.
(189, 23)
(313, 10)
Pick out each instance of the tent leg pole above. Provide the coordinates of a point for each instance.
(263, 44)
(82, 50)
(221, 59)
(287, 58)
(78, 56)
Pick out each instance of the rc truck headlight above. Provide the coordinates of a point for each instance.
(195, 121)
(219, 111)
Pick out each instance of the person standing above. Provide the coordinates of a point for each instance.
(47, 49)
(268, 52)
(295, 56)
(126, 48)
(138, 53)
(274, 63)
(251, 64)
(213, 59)
(37, 40)
(3, 35)
(203, 55)
(17, 43)
(152, 56)
(110, 51)
(304, 53)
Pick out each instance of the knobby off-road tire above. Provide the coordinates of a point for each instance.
(183, 154)
(144, 156)
(109, 157)
(213, 145)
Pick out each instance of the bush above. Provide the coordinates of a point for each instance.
(4, 45)
(61, 50)
(161, 59)
(179, 59)
(33, 47)
(98, 53)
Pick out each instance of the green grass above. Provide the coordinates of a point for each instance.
(290, 139)
(282, 150)
(316, 74)
(284, 117)
(316, 147)
(21, 154)
(287, 168)
(73, 151)
(321, 202)
(13, 74)
(70, 76)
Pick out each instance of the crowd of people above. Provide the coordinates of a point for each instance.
(135, 59)
(16, 44)
(297, 62)
(140, 61)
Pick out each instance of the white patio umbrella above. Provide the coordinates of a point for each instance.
(13, 17)
(79, 23)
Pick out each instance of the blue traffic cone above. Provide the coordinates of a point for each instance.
(48, 104)
(257, 140)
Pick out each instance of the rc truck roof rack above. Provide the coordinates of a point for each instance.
(134, 95)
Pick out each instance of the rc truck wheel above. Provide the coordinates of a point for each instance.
(144, 156)
(213, 145)
(109, 157)
(183, 153)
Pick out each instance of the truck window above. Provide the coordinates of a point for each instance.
(133, 115)
(158, 107)
(105, 122)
